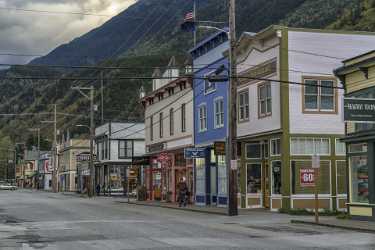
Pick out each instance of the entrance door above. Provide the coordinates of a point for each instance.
(213, 185)
(266, 185)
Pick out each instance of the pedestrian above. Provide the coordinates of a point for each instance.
(182, 192)
(98, 189)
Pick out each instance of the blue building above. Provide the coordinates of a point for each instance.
(210, 120)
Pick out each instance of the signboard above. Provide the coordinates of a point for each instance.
(307, 177)
(315, 161)
(194, 153)
(163, 157)
(359, 110)
(219, 148)
(233, 165)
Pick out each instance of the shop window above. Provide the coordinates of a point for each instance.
(264, 100)
(202, 118)
(212, 156)
(243, 106)
(125, 148)
(324, 185)
(310, 146)
(179, 160)
(219, 112)
(222, 175)
(253, 151)
(319, 95)
(276, 177)
(200, 175)
(265, 149)
(254, 178)
(340, 147)
(275, 147)
(341, 177)
(359, 178)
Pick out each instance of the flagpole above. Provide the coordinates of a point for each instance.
(195, 19)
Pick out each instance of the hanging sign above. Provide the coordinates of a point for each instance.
(307, 177)
(219, 148)
(359, 110)
(194, 153)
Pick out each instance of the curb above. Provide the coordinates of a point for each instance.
(174, 208)
(358, 229)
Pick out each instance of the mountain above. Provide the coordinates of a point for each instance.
(142, 37)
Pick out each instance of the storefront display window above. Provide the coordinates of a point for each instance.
(276, 177)
(341, 177)
(200, 175)
(359, 179)
(222, 174)
(254, 178)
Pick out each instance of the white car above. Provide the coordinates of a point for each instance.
(7, 186)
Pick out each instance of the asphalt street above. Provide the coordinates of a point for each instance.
(41, 220)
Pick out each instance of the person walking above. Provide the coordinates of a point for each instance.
(182, 192)
(97, 190)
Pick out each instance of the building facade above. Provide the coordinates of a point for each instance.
(169, 130)
(67, 163)
(357, 74)
(116, 146)
(210, 120)
(27, 170)
(290, 109)
(45, 170)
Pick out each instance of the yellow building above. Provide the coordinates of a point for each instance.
(358, 77)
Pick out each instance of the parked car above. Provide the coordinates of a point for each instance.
(7, 186)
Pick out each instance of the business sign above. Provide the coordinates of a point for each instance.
(359, 110)
(307, 177)
(194, 153)
(163, 157)
(219, 148)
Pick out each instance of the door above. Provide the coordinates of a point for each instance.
(213, 185)
(266, 185)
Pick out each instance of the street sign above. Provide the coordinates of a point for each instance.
(359, 110)
(315, 161)
(307, 177)
(194, 153)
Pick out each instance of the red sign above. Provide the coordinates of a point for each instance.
(307, 177)
(163, 157)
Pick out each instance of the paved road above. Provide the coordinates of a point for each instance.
(39, 220)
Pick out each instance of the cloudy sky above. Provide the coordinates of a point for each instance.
(24, 32)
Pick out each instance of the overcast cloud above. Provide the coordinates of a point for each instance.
(38, 33)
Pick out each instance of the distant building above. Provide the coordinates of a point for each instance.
(358, 77)
(116, 146)
(27, 170)
(169, 130)
(289, 109)
(45, 170)
(210, 119)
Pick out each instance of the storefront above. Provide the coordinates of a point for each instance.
(358, 74)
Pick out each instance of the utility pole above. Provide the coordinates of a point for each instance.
(232, 115)
(92, 134)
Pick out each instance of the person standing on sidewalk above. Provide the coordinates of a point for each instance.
(98, 190)
(182, 192)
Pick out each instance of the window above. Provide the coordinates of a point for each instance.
(275, 147)
(324, 181)
(219, 113)
(171, 122)
(183, 118)
(341, 177)
(340, 147)
(202, 118)
(253, 151)
(222, 175)
(265, 100)
(254, 178)
(276, 177)
(179, 160)
(125, 149)
(359, 178)
(243, 106)
(319, 95)
(209, 86)
(310, 146)
(161, 125)
(151, 128)
(265, 149)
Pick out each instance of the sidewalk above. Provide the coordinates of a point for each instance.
(190, 208)
(354, 225)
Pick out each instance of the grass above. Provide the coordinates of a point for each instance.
(311, 212)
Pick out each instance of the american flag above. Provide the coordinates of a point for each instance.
(189, 17)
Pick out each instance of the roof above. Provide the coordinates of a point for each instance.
(355, 63)
(130, 131)
(207, 39)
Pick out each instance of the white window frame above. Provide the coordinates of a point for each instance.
(246, 115)
(268, 111)
(202, 116)
(271, 153)
(313, 139)
(220, 113)
(336, 141)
